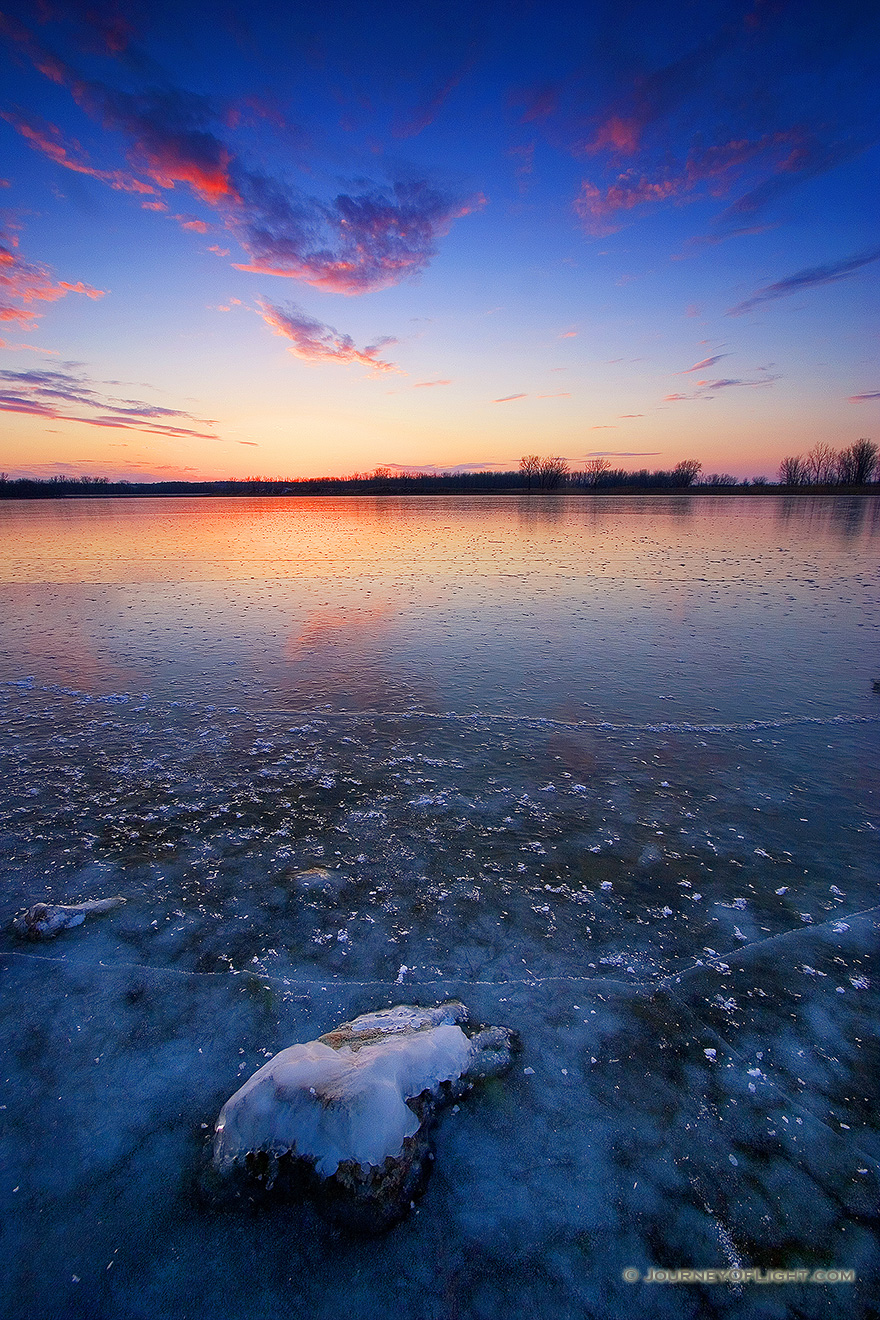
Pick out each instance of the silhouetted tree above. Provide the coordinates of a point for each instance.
(595, 470)
(530, 467)
(821, 463)
(551, 471)
(856, 465)
(793, 471)
(686, 472)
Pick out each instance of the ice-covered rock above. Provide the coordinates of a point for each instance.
(44, 921)
(353, 1108)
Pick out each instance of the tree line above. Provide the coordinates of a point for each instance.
(824, 466)
(852, 467)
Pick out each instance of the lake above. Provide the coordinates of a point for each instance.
(605, 768)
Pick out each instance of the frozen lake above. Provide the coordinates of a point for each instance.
(604, 768)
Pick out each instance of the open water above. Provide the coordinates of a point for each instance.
(604, 768)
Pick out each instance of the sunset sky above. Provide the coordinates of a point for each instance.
(293, 239)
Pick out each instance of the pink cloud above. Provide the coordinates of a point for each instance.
(508, 398)
(355, 243)
(615, 134)
(313, 341)
(196, 226)
(53, 395)
(47, 140)
(711, 169)
(427, 384)
(27, 282)
(706, 362)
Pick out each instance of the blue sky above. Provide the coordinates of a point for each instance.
(260, 239)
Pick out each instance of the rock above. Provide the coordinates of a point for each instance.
(45, 920)
(347, 1117)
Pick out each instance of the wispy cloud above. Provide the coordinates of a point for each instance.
(712, 170)
(47, 139)
(426, 112)
(359, 241)
(707, 389)
(808, 159)
(863, 398)
(508, 398)
(428, 384)
(807, 279)
(28, 282)
(706, 362)
(54, 394)
(313, 341)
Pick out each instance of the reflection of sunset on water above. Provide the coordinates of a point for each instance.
(566, 605)
(339, 628)
(143, 540)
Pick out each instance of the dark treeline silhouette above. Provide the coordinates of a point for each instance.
(535, 474)
(824, 466)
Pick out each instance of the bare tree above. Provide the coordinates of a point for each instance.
(552, 470)
(686, 472)
(856, 465)
(530, 467)
(821, 464)
(794, 471)
(595, 470)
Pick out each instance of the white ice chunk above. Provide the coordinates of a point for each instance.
(334, 1105)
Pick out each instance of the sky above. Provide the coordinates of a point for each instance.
(282, 239)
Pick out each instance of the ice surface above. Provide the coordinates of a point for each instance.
(676, 907)
(336, 1105)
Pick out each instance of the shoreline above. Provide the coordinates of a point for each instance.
(252, 490)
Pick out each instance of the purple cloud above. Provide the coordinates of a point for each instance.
(807, 279)
(51, 394)
(707, 389)
(706, 362)
(355, 243)
(313, 341)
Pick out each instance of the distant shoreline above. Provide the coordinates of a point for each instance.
(71, 490)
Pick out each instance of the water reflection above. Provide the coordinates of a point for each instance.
(343, 789)
(649, 608)
(850, 516)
